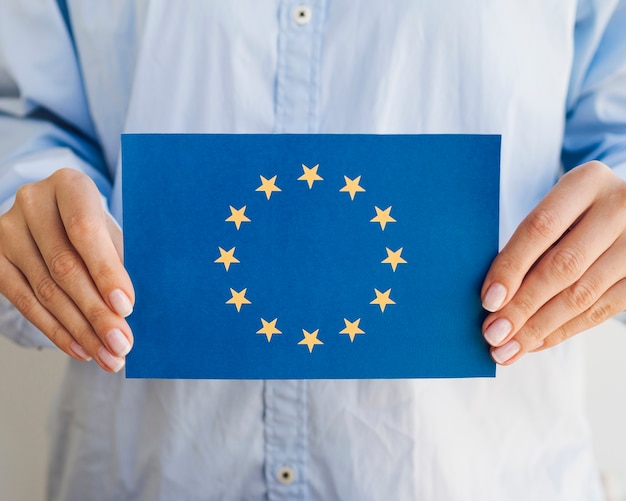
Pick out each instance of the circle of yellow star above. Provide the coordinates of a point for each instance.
(227, 257)
(352, 186)
(310, 339)
(382, 299)
(393, 258)
(237, 216)
(238, 298)
(352, 328)
(268, 186)
(269, 329)
(383, 217)
(310, 175)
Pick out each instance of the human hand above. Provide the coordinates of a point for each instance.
(563, 270)
(61, 266)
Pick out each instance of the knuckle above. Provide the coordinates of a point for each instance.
(557, 337)
(5, 236)
(601, 311)
(543, 224)
(95, 315)
(102, 273)
(47, 290)
(64, 265)
(510, 265)
(595, 168)
(533, 334)
(57, 334)
(84, 335)
(67, 175)
(524, 306)
(7, 226)
(567, 263)
(25, 302)
(82, 225)
(582, 295)
(25, 195)
(589, 171)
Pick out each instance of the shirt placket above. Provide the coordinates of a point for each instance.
(286, 440)
(297, 94)
(298, 66)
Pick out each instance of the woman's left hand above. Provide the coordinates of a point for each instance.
(563, 271)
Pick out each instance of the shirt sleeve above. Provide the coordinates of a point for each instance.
(596, 106)
(44, 119)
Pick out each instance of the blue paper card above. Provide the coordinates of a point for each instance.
(309, 256)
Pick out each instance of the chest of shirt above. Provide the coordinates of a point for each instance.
(348, 66)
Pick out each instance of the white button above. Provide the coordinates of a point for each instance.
(302, 14)
(286, 475)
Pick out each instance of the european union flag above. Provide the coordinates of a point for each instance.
(309, 256)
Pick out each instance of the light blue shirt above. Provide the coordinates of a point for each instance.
(549, 75)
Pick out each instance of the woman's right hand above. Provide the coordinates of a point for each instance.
(61, 265)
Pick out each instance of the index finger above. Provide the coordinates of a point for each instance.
(538, 232)
(87, 228)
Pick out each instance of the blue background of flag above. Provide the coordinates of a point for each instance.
(309, 257)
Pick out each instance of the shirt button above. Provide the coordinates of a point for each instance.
(302, 14)
(286, 475)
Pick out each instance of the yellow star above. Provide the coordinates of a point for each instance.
(352, 186)
(226, 257)
(310, 175)
(237, 216)
(352, 328)
(393, 258)
(382, 299)
(383, 217)
(310, 339)
(269, 329)
(268, 186)
(238, 298)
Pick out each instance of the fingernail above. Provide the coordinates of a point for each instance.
(494, 297)
(537, 346)
(112, 362)
(120, 302)
(118, 343)
(79, 352)
(497, 331)
(506, 352)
